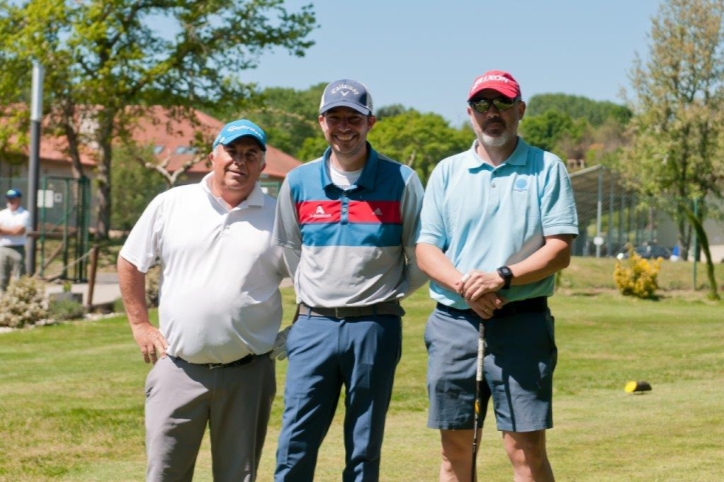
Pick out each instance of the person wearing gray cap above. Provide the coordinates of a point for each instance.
(219, 314)
(347, 222)
(14, 226)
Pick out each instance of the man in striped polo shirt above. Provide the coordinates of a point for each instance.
(348, 222)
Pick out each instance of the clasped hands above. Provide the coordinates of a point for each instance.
(479, 288)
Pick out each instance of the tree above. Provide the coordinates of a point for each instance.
(419, 140)
(288, 116)
(575, 127)
(578, 107)
(677, 142)
(133, 188)
(545, 130)
(107, 63)
(390, 111)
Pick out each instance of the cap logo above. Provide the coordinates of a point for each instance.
(344, 89)
(490, 78)
(243, 128)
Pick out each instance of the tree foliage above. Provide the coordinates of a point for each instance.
(107, 62)
(546, 129)
(578, 107)
(419, 140)
(133, 187)
(677, 142)
(575, 127)
(288, 116)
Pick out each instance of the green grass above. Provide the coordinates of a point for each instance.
(71, 403)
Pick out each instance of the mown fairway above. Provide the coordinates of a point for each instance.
(71, 402)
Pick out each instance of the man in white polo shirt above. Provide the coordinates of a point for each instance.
(220, 310)
(14, 226)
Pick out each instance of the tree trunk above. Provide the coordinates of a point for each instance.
(103, 195)
(103, 176)
(704, 243)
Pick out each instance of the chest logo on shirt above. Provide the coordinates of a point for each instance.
(374, 212)
(319, 213)
(520, 185)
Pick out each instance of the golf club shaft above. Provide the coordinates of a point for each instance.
(478, 382)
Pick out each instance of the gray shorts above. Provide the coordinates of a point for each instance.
(520, 356)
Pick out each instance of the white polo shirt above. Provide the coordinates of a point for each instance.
(219, 292)
(13, 219)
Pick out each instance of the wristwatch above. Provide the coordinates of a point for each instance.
(507, 276)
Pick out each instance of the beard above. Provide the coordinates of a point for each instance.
(498, 140)
(490, 141)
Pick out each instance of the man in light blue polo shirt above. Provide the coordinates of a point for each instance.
(497, 224)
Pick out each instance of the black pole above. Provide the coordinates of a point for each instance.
(36, 115)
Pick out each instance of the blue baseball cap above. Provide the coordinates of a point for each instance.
(346, 93)
(240, 128)
(13, 193)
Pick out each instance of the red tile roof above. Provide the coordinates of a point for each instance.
(173, 137)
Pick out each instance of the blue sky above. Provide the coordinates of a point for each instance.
(426, 54)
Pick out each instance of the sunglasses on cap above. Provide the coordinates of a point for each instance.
(500, 103)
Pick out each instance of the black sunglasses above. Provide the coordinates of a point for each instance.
(500, 103)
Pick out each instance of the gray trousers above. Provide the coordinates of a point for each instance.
(11, 264)
(183, 398)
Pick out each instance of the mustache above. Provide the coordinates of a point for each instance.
(493, 121)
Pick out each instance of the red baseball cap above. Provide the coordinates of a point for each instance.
(496, 80)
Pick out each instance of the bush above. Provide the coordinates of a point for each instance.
(66, 309)
(118, 306)
(23, 303)
(153, 279)
(637, 277)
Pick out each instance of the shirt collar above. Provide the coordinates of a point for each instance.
(369, 171)
(519, 157)
(255, 198)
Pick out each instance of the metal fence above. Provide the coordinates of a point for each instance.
(611, 220)
(63, 221)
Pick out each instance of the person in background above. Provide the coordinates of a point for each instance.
(497, 224)
(14, 228)
(348, 223)
(219, 314)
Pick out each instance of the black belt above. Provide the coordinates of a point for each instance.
(384, 308)
(237, 363)
(531, 305)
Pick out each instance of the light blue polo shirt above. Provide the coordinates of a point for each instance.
(483, 217)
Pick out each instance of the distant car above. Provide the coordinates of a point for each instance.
(648, 252)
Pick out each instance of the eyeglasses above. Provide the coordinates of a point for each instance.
(500, 103)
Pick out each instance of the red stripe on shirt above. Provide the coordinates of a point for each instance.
(383, 212)
(319, 211)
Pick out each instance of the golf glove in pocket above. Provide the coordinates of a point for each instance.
(280, 345)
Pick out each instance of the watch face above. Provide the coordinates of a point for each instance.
(507, 276)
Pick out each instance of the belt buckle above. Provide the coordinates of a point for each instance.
(213, 366)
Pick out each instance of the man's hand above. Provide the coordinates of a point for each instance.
(486, 304)
(280, 345)
(477, 283)
(152, 343)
